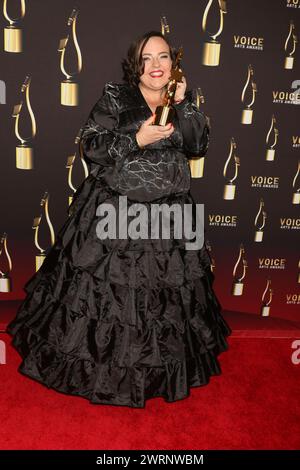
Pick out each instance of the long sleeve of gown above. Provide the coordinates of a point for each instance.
(194, 125)
(101, 142)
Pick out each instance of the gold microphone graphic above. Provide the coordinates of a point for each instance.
(247, 114)
(229, 188)
(70, 163)
(39, 259)
(212, 48)
(289, 60)
(5, 280)
(13, 36)
(265, 308)
(24, 153)
(270, 155)
(197, 164)
(69, 89)
(296, 194)
(238, 285)
(259, 231)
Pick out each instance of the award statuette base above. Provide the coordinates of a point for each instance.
(13, 39)
(39, 259)
(237, 288)
(270, 155)
(163, 115)
(289, 63)
(69, 93)
(258, 236)
(229, 191)
(265, 311)
(296, 198)
(197, 167)
(247, 115)
(211, 53)
(5, 284)
(24, 157)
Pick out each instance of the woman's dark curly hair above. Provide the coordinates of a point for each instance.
(133, 65)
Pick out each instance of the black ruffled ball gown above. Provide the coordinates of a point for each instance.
(119, 321)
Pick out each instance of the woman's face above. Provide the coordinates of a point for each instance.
(156, 56)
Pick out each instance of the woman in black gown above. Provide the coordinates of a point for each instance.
(119, 321)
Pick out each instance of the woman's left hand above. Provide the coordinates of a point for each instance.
(180, 90)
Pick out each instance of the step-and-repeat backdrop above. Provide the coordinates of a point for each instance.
(243, 57)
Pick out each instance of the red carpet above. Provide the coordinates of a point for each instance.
(254, 404)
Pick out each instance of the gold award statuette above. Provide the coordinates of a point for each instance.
(296, 194)
(265, 308)
(69, 90)
(259, 231)
(5, 280)
(70, 164)
(197, 164)
(24, 153)
(270, 154)
(229, 188)
(289, 60)
(247, 113)
(165, 113)
(238, 285)
(39, 259)
(13, 38)
(212, 48)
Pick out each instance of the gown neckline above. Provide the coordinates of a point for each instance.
(143, 99)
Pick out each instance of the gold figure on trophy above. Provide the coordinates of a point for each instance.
(265, 308)
(24, 153)
(165, 113)
(259, 232)
(270, 155)
(69, 89)
(70, 164)
(197, 164)
(39, 259)
(13, 37)
(238, 285)
(212, 48)
(289, 60)
(296, 194)
(229, 188)
(247, 114)
(5, 280)
(164, 27)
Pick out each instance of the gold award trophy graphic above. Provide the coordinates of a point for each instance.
(197, 164)
(39, 259)
(289, 60)
(238, 285)
(270, 154)
(5, 280)
(69, 90)
(24, 153)
(229, 188)
(70, 164)
(164, 27)
(296, 194)
(165, 113)
(212, 48)
(247, 114)
(13, 35)
(259, 230)
(265, 308)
